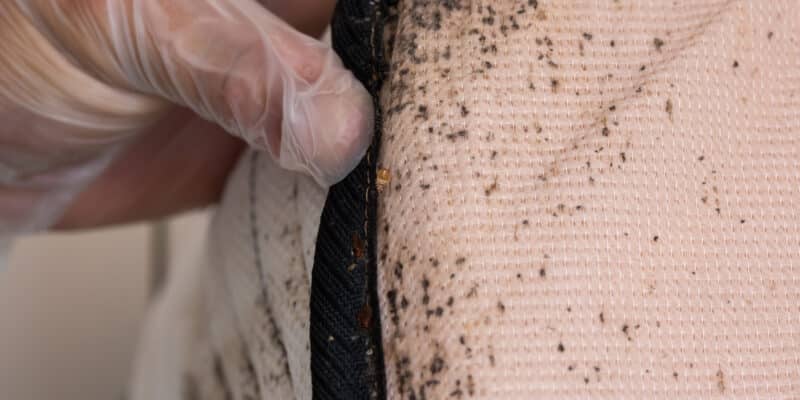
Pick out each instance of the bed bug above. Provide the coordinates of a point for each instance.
(384, 177)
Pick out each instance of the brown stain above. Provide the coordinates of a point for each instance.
(720, 378)
(668, 108)
(364, 316)
(658, 43)
(359, 247)
(491, 188)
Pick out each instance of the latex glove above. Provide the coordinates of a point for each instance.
(81, 78)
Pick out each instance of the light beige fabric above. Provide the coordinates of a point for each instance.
(592, 199)
(234, 323)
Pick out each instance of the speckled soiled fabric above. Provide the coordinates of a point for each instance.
(232, 324)
(592, 199)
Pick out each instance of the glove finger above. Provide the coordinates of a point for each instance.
(234, 63)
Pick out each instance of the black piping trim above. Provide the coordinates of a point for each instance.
(346, 354)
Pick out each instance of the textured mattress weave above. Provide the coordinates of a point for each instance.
(592, 199)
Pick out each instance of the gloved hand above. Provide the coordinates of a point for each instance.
(80, 79)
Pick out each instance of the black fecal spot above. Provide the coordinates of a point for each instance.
(490, 189)
(612, 43)
(587, 36)
(554, 85)
(658, 43)
(487, 65)
(668, 108)
(456, 135)
(586, 380)
(398, 270)
(391, 295)
(424, 186)
(701, 158)
(735, 64)
(561, 348)
(492, 48)
(501, 306)
(451, 5)
(430, 382)
(450, 301)
(422, 113)
(623, 157)
(626, 330)
(642, 68)
(437, 365)
(655, 238)
(460, 260)
(769, 35)
(425, 285)
(675, 375)
(464, 111)
(403, 302)
(602, 318)
(605, 131)
(542, 272)
(741, 221)
(404, 375)
(438, 311)
(535, 4)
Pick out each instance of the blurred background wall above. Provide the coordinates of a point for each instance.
(71, 306)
